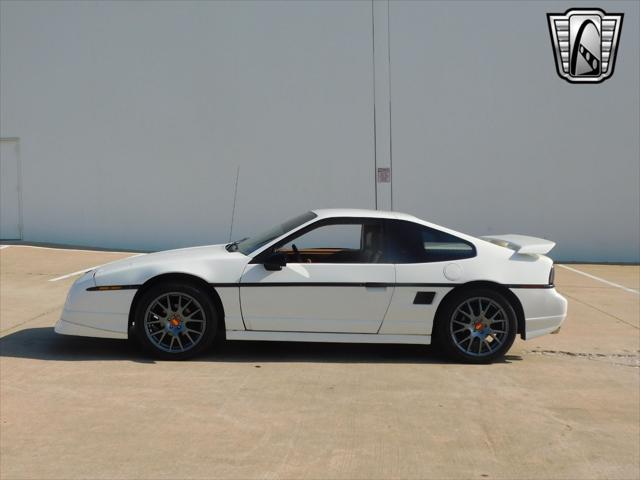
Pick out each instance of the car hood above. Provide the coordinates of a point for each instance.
(207, 262)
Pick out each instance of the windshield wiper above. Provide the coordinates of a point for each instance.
(233, 246)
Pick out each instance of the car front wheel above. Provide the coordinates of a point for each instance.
(477, 326)
(175, 321)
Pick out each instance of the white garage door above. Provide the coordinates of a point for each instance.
(9, 190)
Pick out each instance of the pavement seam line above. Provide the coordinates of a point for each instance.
(61, 248)
(73, 274)
(591, 356)
(30, 320)
(627, 289)
(601, 311)
(583, 354)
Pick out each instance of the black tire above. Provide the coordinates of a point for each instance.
(185, 321)
(474, 343)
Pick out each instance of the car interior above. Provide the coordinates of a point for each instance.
(369, 247)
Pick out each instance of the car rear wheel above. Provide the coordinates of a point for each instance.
(477, 326)
(175, 321)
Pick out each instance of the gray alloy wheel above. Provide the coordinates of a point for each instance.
(176, 320)
(476, 325)
(479, 326)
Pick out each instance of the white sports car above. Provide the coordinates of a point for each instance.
(328, 276)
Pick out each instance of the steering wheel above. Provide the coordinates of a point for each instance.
(296, 252)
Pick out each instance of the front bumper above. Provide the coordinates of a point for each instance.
(544, 310)
(95, 313)
(67, 327)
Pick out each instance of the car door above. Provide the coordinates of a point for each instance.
(334, 281)
(421, 255)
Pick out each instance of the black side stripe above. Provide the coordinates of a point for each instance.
(546, 285)
(105, 288)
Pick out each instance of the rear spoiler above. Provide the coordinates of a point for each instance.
(522, 243)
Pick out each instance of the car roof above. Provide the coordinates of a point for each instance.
(361, 212)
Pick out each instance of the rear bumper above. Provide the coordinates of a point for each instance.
(544, 310)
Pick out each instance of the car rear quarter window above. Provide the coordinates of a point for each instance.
(414, 243)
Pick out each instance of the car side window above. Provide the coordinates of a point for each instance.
(414, 243)
(341, 242)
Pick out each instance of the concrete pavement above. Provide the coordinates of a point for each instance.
(561, 406)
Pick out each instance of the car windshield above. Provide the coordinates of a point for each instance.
(250, 245)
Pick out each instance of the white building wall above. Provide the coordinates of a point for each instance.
(488, 139)
(133, 119)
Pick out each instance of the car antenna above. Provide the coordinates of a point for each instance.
(233, 210)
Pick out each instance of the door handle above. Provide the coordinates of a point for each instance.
(375, 285)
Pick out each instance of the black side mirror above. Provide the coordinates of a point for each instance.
(275, 261)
